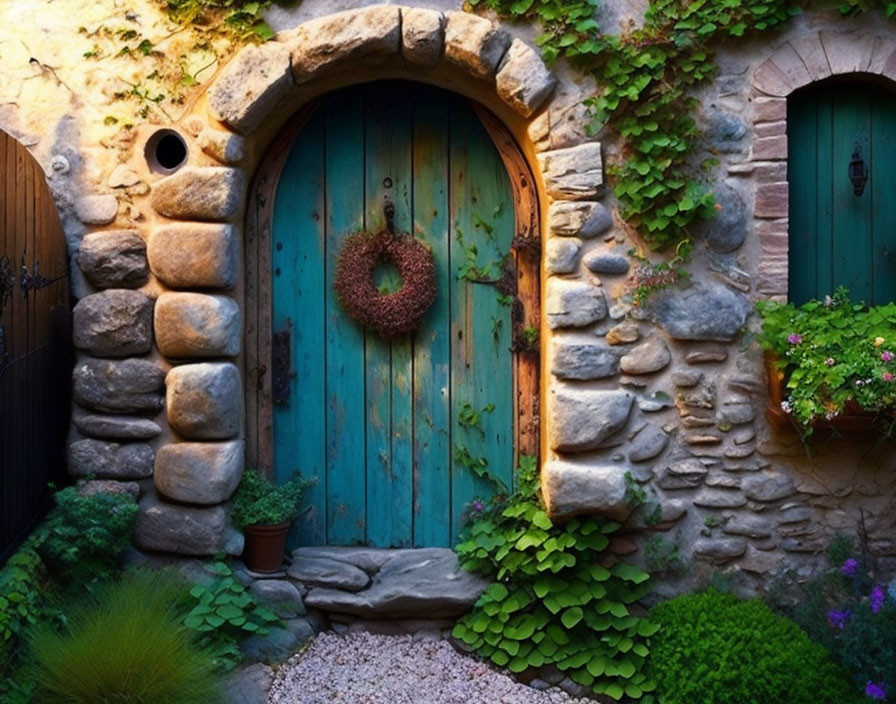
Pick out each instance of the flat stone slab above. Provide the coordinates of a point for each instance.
(327, 573)
(427, 582)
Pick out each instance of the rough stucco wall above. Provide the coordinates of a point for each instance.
(626, 392)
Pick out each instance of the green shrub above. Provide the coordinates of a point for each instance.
(715, 649)
(551, 601)
(128, 646)
(258, 501)
(83, 535)
(223, 612)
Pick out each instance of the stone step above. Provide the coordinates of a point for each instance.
(402, 583)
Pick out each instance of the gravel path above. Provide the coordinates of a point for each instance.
(362, 668)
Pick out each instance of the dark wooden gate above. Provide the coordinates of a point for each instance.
(35, 343)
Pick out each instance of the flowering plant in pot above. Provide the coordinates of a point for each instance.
(264, 511)
(831, 363)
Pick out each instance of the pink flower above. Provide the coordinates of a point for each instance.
(795, 339)
(888, 377)
(886, 356)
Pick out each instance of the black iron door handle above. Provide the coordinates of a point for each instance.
(281, 364)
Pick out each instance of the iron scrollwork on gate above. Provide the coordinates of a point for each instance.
(281, 362)
(5, 361)
(32, 281)
(7, 281)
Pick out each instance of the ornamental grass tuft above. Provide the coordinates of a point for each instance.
(713, 648)
(129, 646)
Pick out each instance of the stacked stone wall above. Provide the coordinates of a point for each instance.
(665, 398)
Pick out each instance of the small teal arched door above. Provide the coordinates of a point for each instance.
(400, 436)
(839, 236)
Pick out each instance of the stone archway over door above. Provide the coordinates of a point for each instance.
(400, 436)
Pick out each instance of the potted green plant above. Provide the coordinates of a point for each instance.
(264, 511)
(831, 363)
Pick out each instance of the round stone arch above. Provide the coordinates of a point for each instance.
(796, 63)
(199, 325)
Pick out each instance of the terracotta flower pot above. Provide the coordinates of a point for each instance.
(265, 545)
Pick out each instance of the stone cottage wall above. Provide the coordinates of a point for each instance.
(670, 393)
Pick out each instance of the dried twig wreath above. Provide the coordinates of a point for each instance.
(394, 314)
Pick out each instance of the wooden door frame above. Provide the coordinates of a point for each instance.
(526, 252)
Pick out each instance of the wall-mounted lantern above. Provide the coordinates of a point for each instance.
(858, 171)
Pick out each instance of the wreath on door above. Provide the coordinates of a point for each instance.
(389, 315)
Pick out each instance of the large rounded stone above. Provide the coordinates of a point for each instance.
(727, 230)
(422, 35)
(648, 443)
(114, 259)
(114, 323)
(574, 304)
(109, 460)
(116, 427)
(569, 218)
(187, 530)
(561, 255)
(205, 400)
(583, 419)
(200, 193)
(646, 358)
(474, 43)
(199, 472)
(572, 489)
(251, 85)
(610, 263)
(704, 311)
(523, 81)
(127, 386)
(573, 173)
(197, 325)
(194, 255)
(584, 361)
(323, 44)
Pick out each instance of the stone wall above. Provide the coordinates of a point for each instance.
(671, 392)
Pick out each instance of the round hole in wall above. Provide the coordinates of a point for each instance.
(166, 151)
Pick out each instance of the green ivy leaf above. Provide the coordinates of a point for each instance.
(572, 616)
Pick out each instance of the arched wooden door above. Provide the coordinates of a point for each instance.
(400, 436)
(35, 343)
(842, 233)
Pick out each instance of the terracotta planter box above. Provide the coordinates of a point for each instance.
(855, 419)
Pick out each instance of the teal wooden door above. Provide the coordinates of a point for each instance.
(838, 237)
(389, 430)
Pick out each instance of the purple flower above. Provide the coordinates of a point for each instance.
(877, 598)
(837, 619)
(886, 356)
(795, 339)
(887, 376)
(850, 568)
(875, 691)
(477, 506)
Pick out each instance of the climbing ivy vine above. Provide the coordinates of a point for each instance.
(647, 77)
(557, 597)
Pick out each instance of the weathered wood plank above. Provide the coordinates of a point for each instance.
(881, 190)
(480, 324)
(300, 291)
(802, 134)
(432, 349)
(346, 480)
(851, 216)
(388, 177)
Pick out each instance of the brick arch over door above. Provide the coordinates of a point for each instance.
(797, 63)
